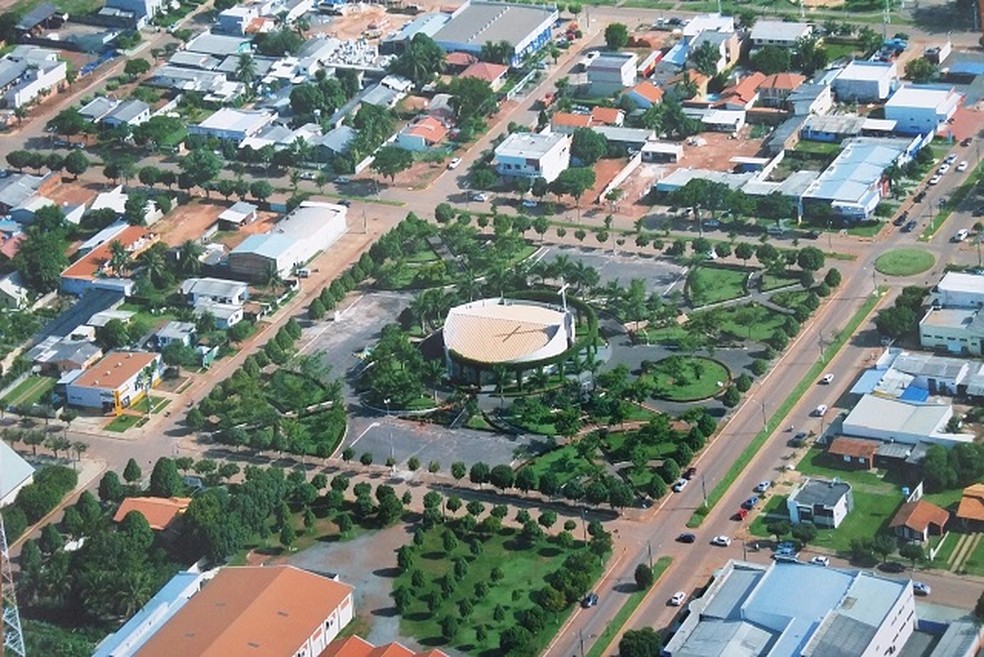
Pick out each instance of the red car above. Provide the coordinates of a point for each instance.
(690, 473)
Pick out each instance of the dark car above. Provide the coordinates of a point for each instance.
(750, 502)
(690, 473)
(919, 197)
(901, 219)
(909, 227)
(590, 600)
(687, 538)
(967, 141)
(798, 439)
(813, 235)
(891, 567)
(345, 202)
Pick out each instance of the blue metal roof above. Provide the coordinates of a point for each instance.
(866, 384)
(914, 393)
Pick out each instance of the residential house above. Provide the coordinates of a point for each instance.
(779, 33)
(310, 228)
(356, 646)
(723, 120)
(220, 298)
(160, 512)
(922, 109)
(19, 188)
(696, 79)
(232, 124)
(13, 293)
(29, 72)
(955, 330)
(236, 20)
(218, 45)
(744, 94)
(527, 28)
(566, 123)
(333, 143)
(824, 503)
(811, 98)
(183, 333)
(58, 355)
(15, 473)
(854, 453)
(610, 73)
(775, 89)
(214, 86)
(862, 81)
(644, 94)
(970, 511)
(611, 116)
(628, 138)
(98, 107)
(95, 269)
(238, 215)
(529, 155)
(727, 45)
(142, 11)
(422, 135)
(494, 74)
(129, 112)
(43, 17)
(918, 520)
(832, 127)
(456, 62)
(117, 381)
(286, 611)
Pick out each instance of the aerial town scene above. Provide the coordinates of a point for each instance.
(481, 328)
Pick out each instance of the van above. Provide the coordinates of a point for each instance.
(303, 272)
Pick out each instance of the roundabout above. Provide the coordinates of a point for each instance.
(904, 262)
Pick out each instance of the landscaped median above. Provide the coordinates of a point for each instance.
(777, 418)
(628, 608)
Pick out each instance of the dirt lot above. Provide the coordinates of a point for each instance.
(189, 221)
(73, 192)
(718, 149)
(360, 19)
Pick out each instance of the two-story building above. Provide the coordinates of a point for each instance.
(531, 155)
(117, 381)
(610, 73)
(922, 109)
(824, 503)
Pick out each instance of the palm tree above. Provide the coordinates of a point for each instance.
(133, 591)
(155, 265)
(246, 69)
(188, 257)
(80, 449)
(20, 113)
(119, 258)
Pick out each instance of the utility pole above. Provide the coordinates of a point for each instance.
(649, 546)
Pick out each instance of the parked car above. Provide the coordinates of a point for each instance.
(943, 169)
(308, 175)
(909, 227)
(979, 211)
(721, 541)
(690, 473)
(820, 560)
(920, 588)
(686, 537)
(935, 179)
(967, 141)
(750, 502)
(950, 159)
(963, 166)
(453, 164)
(901, 219)
(763, 486)
(712, 223)
(342, 180)
(919, 196)
(480, 197)
(679, 485)
(529, 203)
(798, 439)
(677, 599)
(827, 378)
(960, 235)
(590, 600)
(891, 567)
(820, 410)
(347, 203)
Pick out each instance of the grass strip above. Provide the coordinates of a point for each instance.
(632, 603)
(777, 418)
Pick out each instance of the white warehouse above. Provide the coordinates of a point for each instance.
(922, 109)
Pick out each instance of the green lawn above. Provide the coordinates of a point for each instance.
(771, 282)
(947, 499)
(865, 229)
(708, 284)
(763, 323)
(904, 262)
(688, 378)
(566, 463)
(975, 564)
(29, 391)
(524, 570)
(123, 422)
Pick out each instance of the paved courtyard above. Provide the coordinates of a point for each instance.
(659, 274)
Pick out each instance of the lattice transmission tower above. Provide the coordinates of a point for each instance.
(13, 636)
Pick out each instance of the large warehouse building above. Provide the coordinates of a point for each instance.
(526, 27)
(482, 334)
(311, 228)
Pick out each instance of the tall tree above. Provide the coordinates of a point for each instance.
(616, 36)
(390, 161)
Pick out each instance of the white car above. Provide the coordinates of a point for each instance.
(820, 410)
(677, 599)
(763, 486)
(921, 589)
(723, 541)
(827, 379)
(935, 179)
(820, 560)
(480, 197)
(951, 158)
(943, 169)
(529, 203)
(680, 485)
(962, 166)
(453, 164)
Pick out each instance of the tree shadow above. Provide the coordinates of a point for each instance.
(390, 573)
(385, 612)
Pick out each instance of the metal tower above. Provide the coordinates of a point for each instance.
(13, 636)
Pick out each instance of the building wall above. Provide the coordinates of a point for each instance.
(549, 165)
(959, 299)
(895, 629)
(40, 81)
(954, 339)
(103, 398)
(865, 91)
(604, 82)
(916, 120)
(12, 495)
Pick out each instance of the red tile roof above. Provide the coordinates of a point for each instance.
(649, 91)
(429, 128)
(571, 120)
(136, 239)
(266, 611)
(972, 503)
(783, 81)
(919, 515)
(485, 71)
(854, 447)
(159, 511)
(606, 115)
(355, 646)
(460, 59)
(11, 246)
(745, 90)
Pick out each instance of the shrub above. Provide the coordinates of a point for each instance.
(759, 367)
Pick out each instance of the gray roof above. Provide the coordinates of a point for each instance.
(841, 124)
(212, 287)
(612, 60)
(128, 110)
(815, 492)
(843, 637)
(930, 365)
(807, 91)
(36, 16)
(17, 188)
(13, 470)
(217, 44)
(98, 107)
(625, 135)
(778, 30)
(191, 59)
(479, 22)
(262, 65)
(862, 163)
(381, 96)
(175, 330)
(428, 24)
(895, 415)
(238, 211)
(64, 350)
(337, 140)
(10, 71)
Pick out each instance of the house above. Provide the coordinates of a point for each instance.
(98, 107)
(236, 19)
(970, 511)
(645, 94)
(744, 94)
(421, 136)
(218, 45)
(269, 610)
(456, 62)
(776, 88)
(355, 646)
(44, 16)
(778, 33)
(494, 74)
(15, 473)
(854, 453)
(824, 503)
(95, 269)
(160, 512)
(918, 520)
(183, 333)
(607, 116)
(629, 138)
(232, 124)
(567, 123)
(797, 610)
(832, 127)
(13, 293)
(214, 86)
(129, 112)
(725, 120)
(29, 72)
(117, 381)
(333, 143)
(225, 315)
(527, 28)
(57, 355)
(17, 188)
(898, 420)
(727, 45)
(922, 109)
(141, 10)
(955, 330)
(610, 73)
(529, 155)
(309, 229)
(215, 290)
(862, 81)
(810, 98)
(696, 79)
(238, 215)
